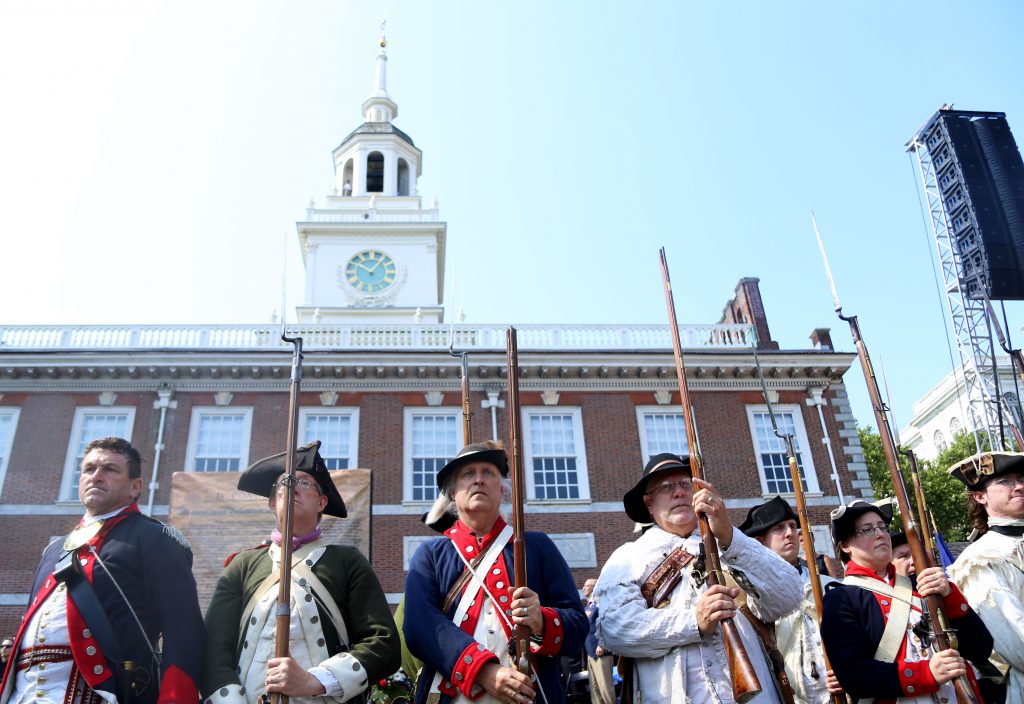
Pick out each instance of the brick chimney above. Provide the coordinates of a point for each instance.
(821, 339)
(745, 307)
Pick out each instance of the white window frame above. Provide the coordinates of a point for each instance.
(353, 434)
(193, 432)
(581, 452)
(407, 416)
(802, 445)
(67, 492)
(13, 413)
(641, 411)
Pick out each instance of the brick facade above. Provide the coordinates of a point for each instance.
(723, 387)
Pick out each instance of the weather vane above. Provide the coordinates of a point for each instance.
(383, 39)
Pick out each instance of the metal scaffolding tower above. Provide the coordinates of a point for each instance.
(962, 262)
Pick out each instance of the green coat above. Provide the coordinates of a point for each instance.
(340, 576)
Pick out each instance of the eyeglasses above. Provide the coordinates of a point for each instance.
(869, 531)
(1009, 482)
(669, 488)
(300, 484)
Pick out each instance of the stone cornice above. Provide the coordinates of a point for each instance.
(429, 370)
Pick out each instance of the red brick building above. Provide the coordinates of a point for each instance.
(381, 391)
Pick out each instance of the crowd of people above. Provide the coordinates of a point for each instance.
(673, 616)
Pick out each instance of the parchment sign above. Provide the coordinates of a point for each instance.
(219, 520)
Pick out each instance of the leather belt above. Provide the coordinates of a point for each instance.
(31, 657)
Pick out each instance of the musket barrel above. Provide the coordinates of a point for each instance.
(521, 635)
(283, 615)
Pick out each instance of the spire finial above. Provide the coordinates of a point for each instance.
(383, 38)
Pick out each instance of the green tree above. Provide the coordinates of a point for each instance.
(946, 497)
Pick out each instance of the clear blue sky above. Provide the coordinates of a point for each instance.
(156, 155)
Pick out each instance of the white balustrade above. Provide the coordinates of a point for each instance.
(370, 336)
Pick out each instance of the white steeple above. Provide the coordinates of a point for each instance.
(372, 252)
(379, 107)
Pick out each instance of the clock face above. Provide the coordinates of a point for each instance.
(370, 271)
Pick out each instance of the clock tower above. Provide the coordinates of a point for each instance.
(372, 253)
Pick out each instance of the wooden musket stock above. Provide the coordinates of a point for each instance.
(744, 679)
(521, 635)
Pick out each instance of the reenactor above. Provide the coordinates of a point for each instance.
(342, 636)
(991, 570)
(656, 608)
(106, 597)
(872, 625)
(775, 525)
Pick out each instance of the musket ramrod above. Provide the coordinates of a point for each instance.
(964, 691)
(744, 679)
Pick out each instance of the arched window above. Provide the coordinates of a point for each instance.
(955, 427)
(375, 173)
(403, 177)
(346, 179)
(939, 440)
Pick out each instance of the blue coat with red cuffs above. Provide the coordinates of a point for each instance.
(852, 623)
(443, 646)
(152, 564)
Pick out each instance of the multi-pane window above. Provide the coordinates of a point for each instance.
(218, 440)
(8, 423)
(432, 438)
(338, 432)
(771, 452)
(661, 430)
(91, 424)
(555, 463)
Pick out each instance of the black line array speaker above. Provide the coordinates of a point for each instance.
(986, 205)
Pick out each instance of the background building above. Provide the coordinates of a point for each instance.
(943, 412)
(382, 392)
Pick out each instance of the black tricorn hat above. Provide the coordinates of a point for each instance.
(843, 517)
(474, 453)
(261, 476)
(764, 516)
(898, 538)
(974, 470)
(661, 463)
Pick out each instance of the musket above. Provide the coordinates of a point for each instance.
(964, 691)
(283, 614)
(1018, 362)
(801, 507)
(521, 633)
(744, 679)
